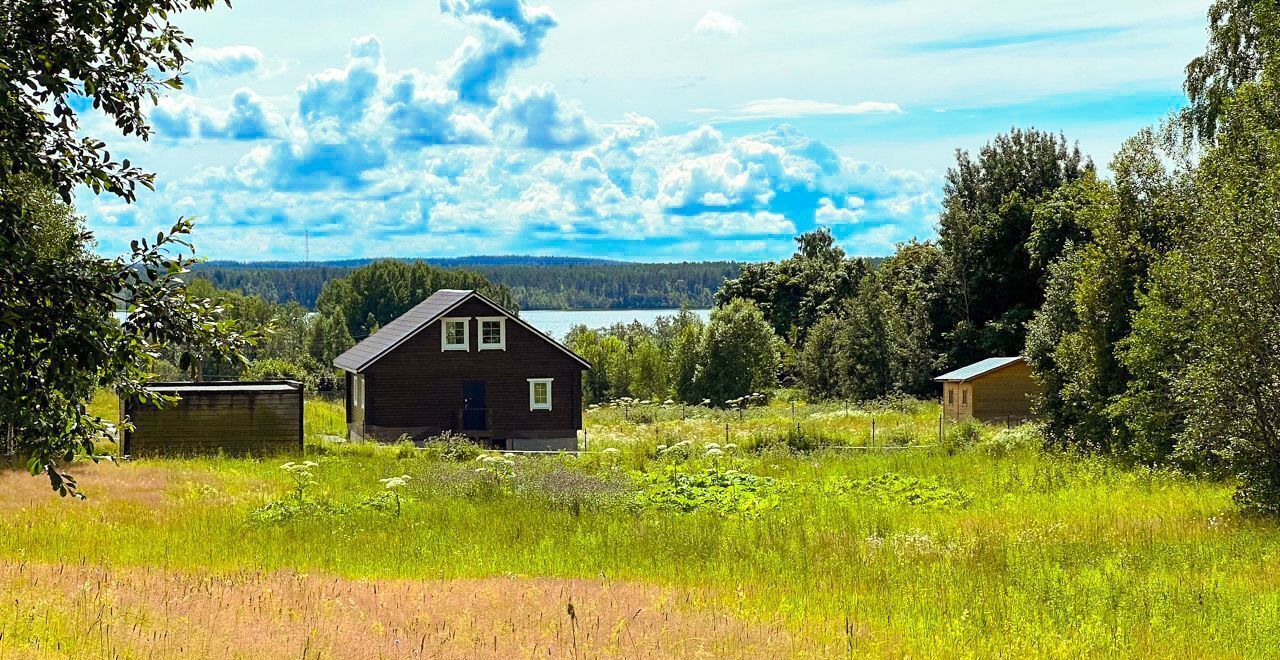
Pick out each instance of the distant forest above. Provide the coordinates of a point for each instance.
(536, 282)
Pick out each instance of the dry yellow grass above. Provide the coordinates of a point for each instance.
(153, 612)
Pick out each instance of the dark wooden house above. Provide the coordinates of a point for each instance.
(460, 362)
(233, 417)
(994, 389)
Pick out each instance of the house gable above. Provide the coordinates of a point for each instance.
(428, 314)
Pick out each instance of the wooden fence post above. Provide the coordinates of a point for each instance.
(873, 431)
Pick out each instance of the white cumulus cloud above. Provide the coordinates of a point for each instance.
(715, 23)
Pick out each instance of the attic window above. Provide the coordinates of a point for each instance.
(453, 335)
(493, 333)
(540, 393)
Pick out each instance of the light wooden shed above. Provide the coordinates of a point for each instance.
(992, 390)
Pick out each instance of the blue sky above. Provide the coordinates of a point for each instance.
(662, 130)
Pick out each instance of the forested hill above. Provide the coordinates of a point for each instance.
(537, 282)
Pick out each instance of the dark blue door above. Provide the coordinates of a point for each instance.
(475, 410)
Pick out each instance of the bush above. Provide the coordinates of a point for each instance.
(277, 369)
(1021, 438)
(449, 446)
(962, 436)
(899, 436)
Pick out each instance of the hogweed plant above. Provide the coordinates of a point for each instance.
(393, 485)
(302, 476)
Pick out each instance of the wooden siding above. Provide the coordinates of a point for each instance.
(236, 419)
(417, 388)
(1005, 393)
(957, 401)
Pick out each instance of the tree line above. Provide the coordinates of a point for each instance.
(535, 283)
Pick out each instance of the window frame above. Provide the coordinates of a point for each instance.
(502, 333)
(964, 396)
(533, 403)
(466, 334)
(951, 395)
(357, 397)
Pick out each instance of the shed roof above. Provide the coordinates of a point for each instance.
(227, 386)
(401, 328)
(980, 368)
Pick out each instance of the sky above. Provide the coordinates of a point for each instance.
(664, 130)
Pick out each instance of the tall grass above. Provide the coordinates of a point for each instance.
(1049, 555)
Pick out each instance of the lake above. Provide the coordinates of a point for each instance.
(556, 322)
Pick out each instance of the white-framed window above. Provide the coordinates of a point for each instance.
(455, 334)
(357, 394)
(493, 333)
(540, 393)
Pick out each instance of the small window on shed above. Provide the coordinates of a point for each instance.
(453, 335)
(357, 396)
(964, 396)
(540, 393)
(493, 333)
(951, 395)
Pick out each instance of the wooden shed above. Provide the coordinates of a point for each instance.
(230, 417)
(991, 390)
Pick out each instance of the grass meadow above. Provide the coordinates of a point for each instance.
(785, 536)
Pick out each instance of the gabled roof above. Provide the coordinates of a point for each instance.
(980, 368)
(403, 327)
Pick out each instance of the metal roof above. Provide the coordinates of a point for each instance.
(400, 329)
(977, 369)
(230, 386)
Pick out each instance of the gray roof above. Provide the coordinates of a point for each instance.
(977, 369)
(400, 329)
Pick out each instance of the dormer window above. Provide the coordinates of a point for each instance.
(493, 333)
(454, 335)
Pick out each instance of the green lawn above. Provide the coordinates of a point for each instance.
(935, 551)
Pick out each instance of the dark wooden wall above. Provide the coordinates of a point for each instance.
(417, 388)
(232, 418)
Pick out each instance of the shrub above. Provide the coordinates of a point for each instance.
(449, 446)
(1021, 438)
(899, 436)
(962, 436)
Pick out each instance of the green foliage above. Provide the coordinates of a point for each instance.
(58, 342)
(372, 296)
(535, 282)
(277, 369)
(725, 492)
(896, 490)
(1074, 340)
(793, 294)
(639, 361)
(1244, 36)
(1009, 441)
(984, 232)
(449, 446)
(738, 353)
(960, 437)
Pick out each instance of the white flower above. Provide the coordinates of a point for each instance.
(715, 451)
(613, 450)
